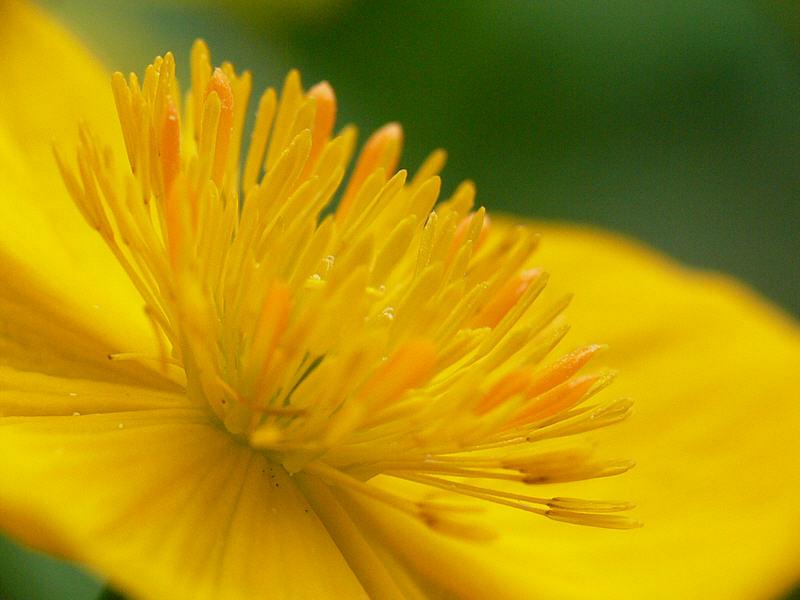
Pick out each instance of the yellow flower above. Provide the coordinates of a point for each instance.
(282, 416)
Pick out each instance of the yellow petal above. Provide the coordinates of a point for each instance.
(715, 436)
(36, 335)
(166, 505)
(710, 366)
(30, 394)
(438, 565)
(47, 252)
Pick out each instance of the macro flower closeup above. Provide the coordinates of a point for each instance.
(265, 361)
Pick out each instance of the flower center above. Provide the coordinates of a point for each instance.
(392, 335)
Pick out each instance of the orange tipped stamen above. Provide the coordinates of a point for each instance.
(220, 85)
(562, 369)
(382, 150)
(512, 384)
(170, 145)
(324, 118)
(408, 367)
(273, 321)
(460, 235)
(559, 399)
(506, 298)
(485, 228)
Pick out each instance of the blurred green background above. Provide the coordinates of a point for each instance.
(676, 122)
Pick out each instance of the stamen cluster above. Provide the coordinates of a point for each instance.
(394, 334)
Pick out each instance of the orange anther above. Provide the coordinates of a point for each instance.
(560, 398)
(561, 370)
(170, 145)
(510, 385)
(381, 150)
(324, 119)
(460, 235)
(408, 367)
(506, 298)
(273, 321)
(220, 85)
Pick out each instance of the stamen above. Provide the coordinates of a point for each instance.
(382, 150)
(593, 520)
(563, 368)
(433, 515)
(220, 85)
(201, 73)
(508, 296)
(259, 138)
(170, 145)
(271, 326)
(175, 217)
(324, 119)
(291, 99)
